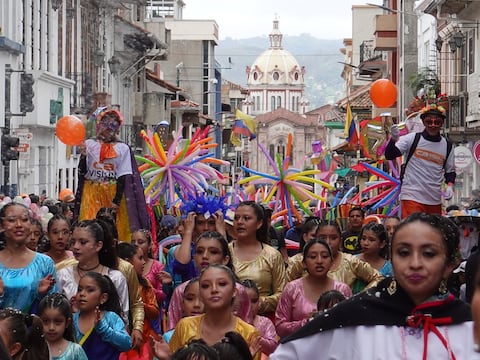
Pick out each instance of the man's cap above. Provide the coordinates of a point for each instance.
(169, 221)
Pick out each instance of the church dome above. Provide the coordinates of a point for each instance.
(275, 65)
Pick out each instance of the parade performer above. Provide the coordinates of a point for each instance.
(414, 310)
(428, 160)
(108, 177)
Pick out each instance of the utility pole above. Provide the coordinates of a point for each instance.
(408, 51)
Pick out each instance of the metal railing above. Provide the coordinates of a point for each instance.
(368, 53)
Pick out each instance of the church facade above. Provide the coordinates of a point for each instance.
(276, 85)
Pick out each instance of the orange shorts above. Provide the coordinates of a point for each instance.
(410, 207)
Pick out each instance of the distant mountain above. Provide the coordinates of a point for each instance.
(323, 80)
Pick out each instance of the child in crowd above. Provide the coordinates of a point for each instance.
(217, 291)
(233, 347)
(58, 233)
(56, 315)
(35, 235)
(212, 248)
(195, 350)
(373, 241)
(153, 271)
(329, 299)
(22, 335)
(265, 327)
(191, 304)
(135, 255)
(298, 302)
(390, 223)
(98, 328)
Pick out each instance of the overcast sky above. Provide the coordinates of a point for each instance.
(324, 19)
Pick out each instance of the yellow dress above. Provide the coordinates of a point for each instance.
(350, 269)
(188, 329)
(267, 271)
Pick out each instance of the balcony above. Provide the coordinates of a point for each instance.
(456, 128)
(371, 61)
(385, 32)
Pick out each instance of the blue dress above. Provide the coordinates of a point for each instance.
(21, 284)
(72, 352)
(108, 339)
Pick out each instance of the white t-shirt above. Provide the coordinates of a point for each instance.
(424, 173)
(109, 169)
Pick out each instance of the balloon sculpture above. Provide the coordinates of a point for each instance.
(181, 170)
(288, 185)
(383, 93)
(70, 130)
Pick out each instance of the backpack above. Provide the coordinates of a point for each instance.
(412, 150)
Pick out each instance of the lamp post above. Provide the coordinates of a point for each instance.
(114, 65)
(98, 57)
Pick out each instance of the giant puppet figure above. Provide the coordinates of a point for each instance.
(108, 177)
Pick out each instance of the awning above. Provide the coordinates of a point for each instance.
(334, 125)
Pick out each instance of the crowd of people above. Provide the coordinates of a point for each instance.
(94, 295)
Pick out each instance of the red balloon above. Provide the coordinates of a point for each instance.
(70, 130)
(383, 93)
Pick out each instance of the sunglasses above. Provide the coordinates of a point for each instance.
(433, 121)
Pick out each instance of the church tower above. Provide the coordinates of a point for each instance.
(275, 80)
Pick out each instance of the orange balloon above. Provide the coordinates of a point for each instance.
(70, 130)
(383, 93)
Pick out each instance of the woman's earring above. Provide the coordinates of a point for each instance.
(392, 288)
(442, 289)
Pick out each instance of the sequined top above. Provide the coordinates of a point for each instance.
(175, 311)
(295, 309)
(268, 334)
(73, 351)
(188, 329)
(267, 271)
(21, 284)
(349, 269)
(157, 285)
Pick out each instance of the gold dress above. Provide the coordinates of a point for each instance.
(349, 269)
(267, 271)
(188, 329)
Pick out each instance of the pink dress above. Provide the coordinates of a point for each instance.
(157, 285)
(294, 309)
(175, 312)
(268, 335)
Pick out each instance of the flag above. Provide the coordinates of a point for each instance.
(350, 127)
(244, 125)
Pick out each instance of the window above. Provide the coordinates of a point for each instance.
(272, 103)
(279, 102)
(276, 76)
(471, 53)
(255, 76)
(296, 76)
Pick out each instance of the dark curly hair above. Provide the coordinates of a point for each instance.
(444, 226)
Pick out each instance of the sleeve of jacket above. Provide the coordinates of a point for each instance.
(134, 296)
(277, 266)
